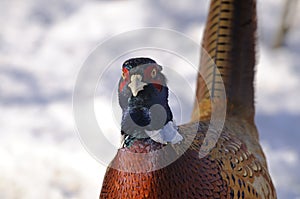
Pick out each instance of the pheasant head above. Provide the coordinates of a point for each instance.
(143, 97)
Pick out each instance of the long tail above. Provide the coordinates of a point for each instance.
(229, 39)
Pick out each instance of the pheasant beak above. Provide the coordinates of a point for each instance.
(136, 85)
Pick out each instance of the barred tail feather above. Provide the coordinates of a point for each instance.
(229, 39)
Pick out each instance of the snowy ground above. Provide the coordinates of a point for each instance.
(42, 45)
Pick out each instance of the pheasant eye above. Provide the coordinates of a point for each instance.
(153, 73)
(123, 75)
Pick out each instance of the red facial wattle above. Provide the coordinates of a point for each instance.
(150, 76)
(125, 78)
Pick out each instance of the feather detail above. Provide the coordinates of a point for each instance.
(167, 134)
(229, 41)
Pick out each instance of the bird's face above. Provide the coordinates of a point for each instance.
(144, 83)
(141, 87)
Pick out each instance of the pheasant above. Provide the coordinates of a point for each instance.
(158, 159)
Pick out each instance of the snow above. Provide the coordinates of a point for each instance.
(42, 47)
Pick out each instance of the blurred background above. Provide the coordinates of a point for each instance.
(42, 46)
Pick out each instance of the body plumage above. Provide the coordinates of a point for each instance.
(236, 166)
